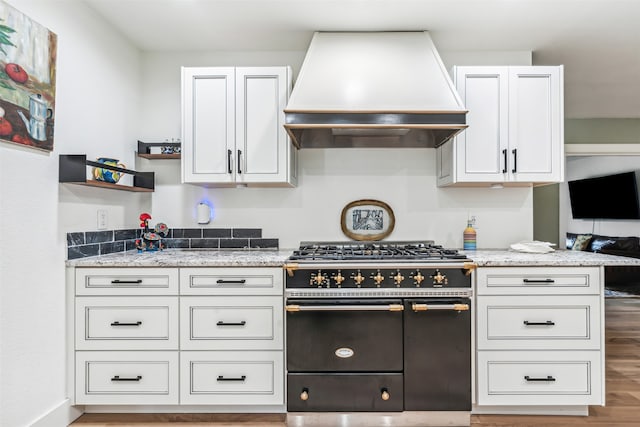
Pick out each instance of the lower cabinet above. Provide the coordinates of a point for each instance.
(126, 377)
(232, 377)
(539, 336)
(539, 378)
(147, 336)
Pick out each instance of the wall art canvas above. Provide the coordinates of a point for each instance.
(27, 80)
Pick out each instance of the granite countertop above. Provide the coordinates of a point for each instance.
(559, 258)
(276, 258)
(187, 258)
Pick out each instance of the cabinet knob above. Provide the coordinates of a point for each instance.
(305, 394)
(385, 394)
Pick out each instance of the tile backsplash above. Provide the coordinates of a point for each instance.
(91, 243)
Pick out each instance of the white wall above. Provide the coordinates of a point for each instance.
(96, 110)
(586, 167)
(329, 178)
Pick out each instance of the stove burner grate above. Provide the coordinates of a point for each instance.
(323, 251)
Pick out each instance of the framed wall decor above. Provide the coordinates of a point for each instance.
(28, 54)
(367, 219)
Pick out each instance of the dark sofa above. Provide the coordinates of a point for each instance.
(624, 278)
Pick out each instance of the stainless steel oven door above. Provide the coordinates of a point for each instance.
(344, 335)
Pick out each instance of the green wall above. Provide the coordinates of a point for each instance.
(546, 204)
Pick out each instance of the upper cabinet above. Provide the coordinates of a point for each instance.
(516, 128)
(232, 126)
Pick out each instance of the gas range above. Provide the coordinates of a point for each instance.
(375, 269)
(369, 321)
(375, 251)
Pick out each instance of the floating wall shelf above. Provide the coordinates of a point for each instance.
(73, 170)
(144, 150)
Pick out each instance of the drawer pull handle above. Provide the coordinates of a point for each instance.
(450, 307)
(223, 323)
(118, 378)
(549, 378)
(124, 282)
(222, 378)
(238, 282)
(305, 394)
(547, 323)
(384, 394)
(538, 280)
(116, 323)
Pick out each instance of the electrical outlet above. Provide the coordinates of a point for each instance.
(103, 219)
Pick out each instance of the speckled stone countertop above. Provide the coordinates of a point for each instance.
(276, 258)
(559, 258)
(187, 258)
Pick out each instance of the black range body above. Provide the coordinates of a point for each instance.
(382, 326)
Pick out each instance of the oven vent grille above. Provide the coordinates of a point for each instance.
(377, 293)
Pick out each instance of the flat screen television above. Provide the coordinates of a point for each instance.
(605, 197)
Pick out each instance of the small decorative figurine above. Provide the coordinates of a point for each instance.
(151, 241)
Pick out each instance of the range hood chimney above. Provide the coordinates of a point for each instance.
(373, 89)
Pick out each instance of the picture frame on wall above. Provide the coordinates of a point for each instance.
(367, 219)
(28, 53)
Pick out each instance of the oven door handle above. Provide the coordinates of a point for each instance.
(292, 308)
(451, 307)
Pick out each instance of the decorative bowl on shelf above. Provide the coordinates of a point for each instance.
(108, 175)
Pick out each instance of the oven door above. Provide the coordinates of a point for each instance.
(437, 354)
(344, 335)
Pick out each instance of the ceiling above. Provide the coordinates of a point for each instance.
(597, 41)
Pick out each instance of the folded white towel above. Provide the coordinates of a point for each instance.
(533, 246)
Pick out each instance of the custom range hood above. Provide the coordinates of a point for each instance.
(373, 89)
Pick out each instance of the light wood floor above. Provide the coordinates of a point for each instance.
(622, 334)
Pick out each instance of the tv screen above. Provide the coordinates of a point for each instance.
(605, 197)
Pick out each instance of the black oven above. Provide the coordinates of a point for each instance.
(378, 335)
(345, 355)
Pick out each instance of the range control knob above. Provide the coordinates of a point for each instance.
(418, 278)
(378, 278)
(439, 279)
(339, 278)
(397, 278)
(318, 279)
(358, 278)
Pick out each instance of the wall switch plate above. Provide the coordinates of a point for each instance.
(102, 219)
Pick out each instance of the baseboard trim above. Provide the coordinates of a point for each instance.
(62, 415)
(569, 410)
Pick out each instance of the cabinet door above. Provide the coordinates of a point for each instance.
(481, 149)
(262, 144)
(535, 124)
(208, 124)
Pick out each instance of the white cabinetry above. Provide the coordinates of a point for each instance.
(232, 126)
(232, 324)
(540, 336)
(167, 336)
(515, 134)
(126, 336)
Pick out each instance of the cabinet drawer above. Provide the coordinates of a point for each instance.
(231, 281)
(126, 281)
(229, 377)
(539, 322)
(136, 323)
(538, 280)
(126, 377)
(539, 378)
(231, 323)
